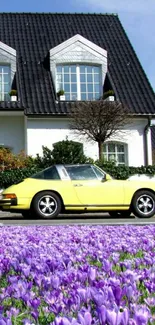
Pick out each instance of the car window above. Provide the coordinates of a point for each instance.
(81, 172)
(99, 173)
(48, 173)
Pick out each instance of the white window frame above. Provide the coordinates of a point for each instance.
(2, 74)
(116, 153)
(78, 82)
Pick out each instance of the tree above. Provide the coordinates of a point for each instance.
(98, 120)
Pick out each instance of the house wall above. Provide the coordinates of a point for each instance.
(48, 131)
(12, 132)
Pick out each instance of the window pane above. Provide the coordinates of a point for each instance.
(97, 88)
(6, 96)
(120, 148)
(74, 96)
(97, 96)
(83, 88)
(73, 68)
(90, 88)
(90, 96)
(59, 77)
(67, 88)
(66, 69)
(89, 77)
(66, 77)
(89, 69)
(59, 68)
(99, 173)
(67, 96)
(96, 77)
(73, 88)
(6, 88)
(73, 77)
(111, 147)
(81, 173)
(111, 157)
(96, 70)
(82, 68)
(6, 78)
(83, 97)
(82, 78)
(121, 158)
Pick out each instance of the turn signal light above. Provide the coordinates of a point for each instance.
(9, 196)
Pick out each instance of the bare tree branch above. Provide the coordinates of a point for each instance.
(98, 120)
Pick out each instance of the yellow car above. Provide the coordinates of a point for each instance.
(78, 188)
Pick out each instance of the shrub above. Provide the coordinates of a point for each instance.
(64, 152)
(14, 176)
(8, 160)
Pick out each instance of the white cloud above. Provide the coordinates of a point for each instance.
(132, 6)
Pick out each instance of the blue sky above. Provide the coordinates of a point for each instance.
(137, 17)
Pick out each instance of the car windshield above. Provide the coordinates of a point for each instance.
(48, 173)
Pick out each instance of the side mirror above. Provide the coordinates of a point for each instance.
(108, 177)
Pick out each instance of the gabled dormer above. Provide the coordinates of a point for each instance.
(79, 67)
(7, 70)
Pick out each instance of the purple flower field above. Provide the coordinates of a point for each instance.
(77, 275)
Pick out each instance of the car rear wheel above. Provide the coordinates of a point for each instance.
(143, 204)
(46, 205)
(117, 214)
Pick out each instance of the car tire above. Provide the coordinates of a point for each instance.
(143, 204)
(46, 205)
(125, 213)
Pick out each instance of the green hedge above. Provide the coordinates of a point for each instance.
(15, 176)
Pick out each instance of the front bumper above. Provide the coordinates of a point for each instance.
(7, 203)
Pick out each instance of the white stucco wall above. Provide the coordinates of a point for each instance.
(12, 132)
(48, 131)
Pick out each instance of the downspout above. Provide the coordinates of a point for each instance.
(146, 149)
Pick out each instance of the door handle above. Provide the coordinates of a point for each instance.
(77, 185)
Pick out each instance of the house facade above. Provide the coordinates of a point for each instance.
(83, 54)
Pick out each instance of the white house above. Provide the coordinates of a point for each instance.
(83, 54)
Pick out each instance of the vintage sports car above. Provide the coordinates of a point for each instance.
(78, 188)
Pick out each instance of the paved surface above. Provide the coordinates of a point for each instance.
(87, 218)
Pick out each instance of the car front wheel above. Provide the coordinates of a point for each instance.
(143, 204)
(46, 205)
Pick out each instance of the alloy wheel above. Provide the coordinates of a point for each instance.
(47, 205)
(145, 204)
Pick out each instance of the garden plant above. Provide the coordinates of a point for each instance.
(77, 275)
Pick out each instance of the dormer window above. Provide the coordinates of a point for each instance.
(79, 82)
(4, 82)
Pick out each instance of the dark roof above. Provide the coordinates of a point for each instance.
(34, 34)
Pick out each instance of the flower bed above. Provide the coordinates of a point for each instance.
(77, 275)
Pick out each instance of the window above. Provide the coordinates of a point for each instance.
(4, 82)
(80, 82)
(115, 152)
(81, 172)
(48, 173)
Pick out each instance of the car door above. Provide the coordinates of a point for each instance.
(92, 188)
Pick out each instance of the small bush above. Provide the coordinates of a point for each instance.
(14, 176)
(8, 160)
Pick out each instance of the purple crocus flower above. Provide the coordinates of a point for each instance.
(92, 273)
(85, 319)
(102, 314)
(142, 316)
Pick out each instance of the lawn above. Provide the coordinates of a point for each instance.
(79, 275)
